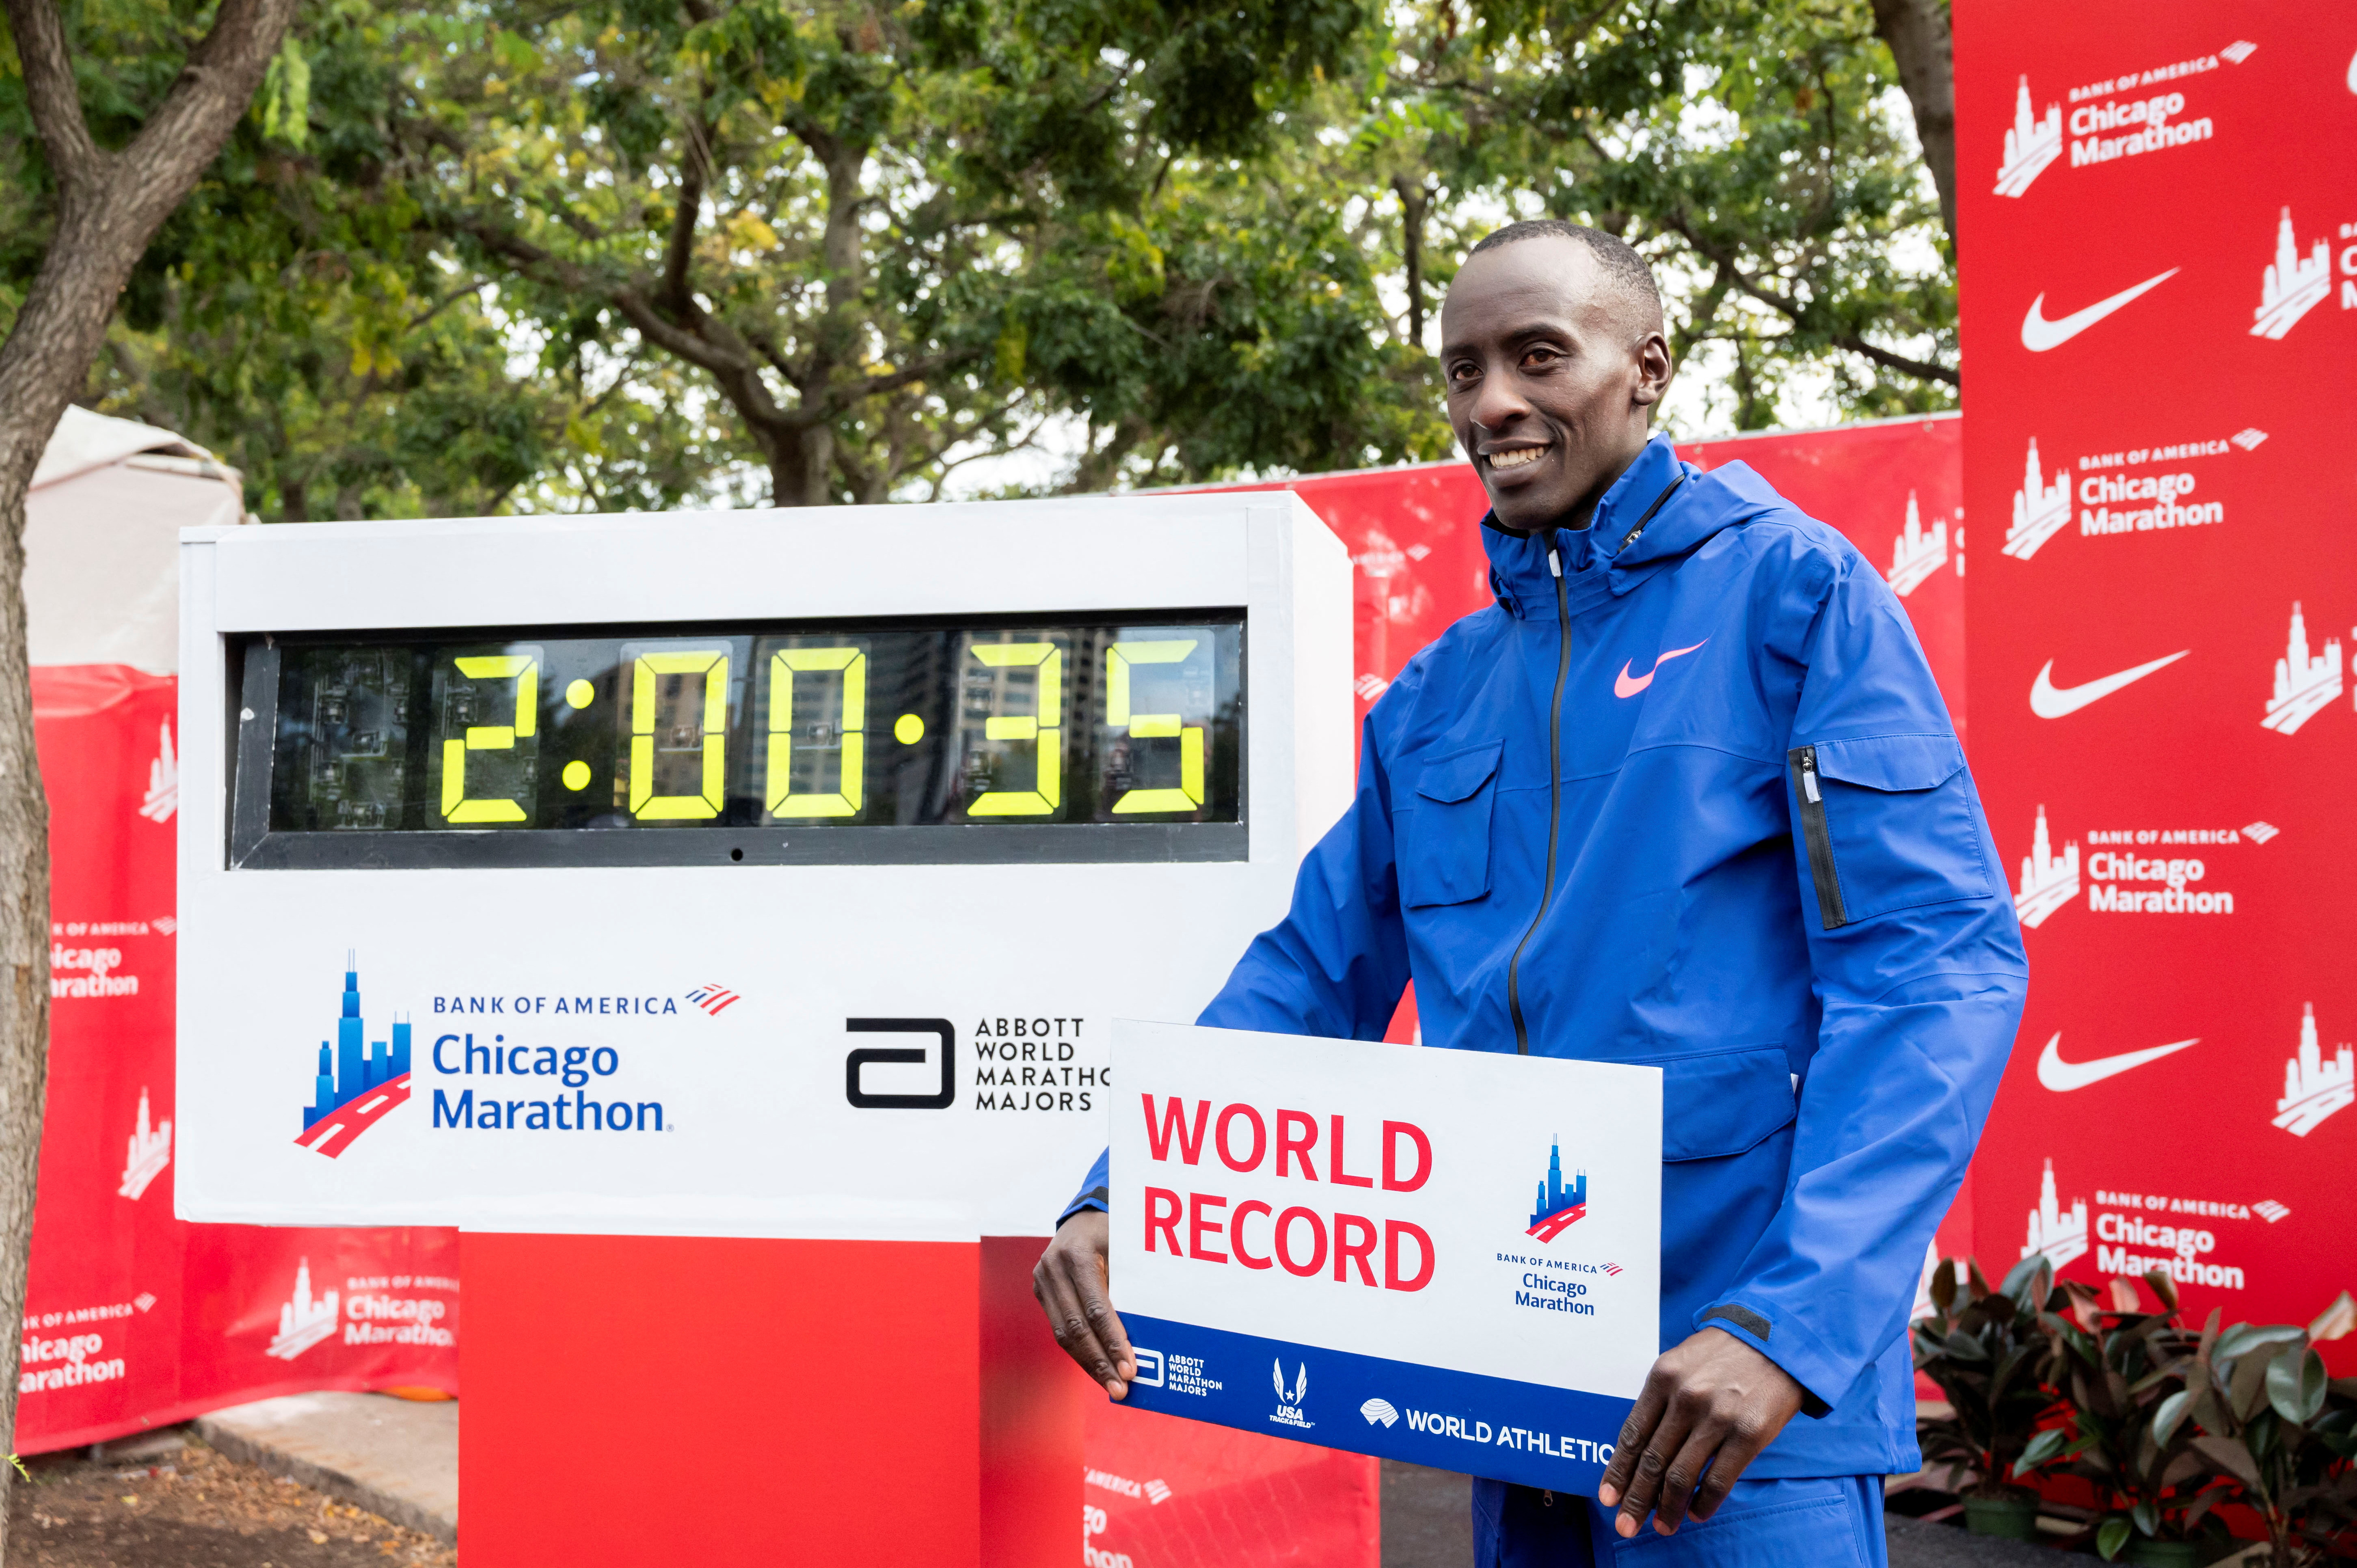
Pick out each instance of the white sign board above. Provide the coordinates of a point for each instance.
(766, 874)
(1447, 1257)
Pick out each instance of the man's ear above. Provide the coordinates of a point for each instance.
(1653, 368)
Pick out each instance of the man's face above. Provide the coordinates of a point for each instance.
(1550, 379)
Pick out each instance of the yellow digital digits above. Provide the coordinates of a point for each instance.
(1046, 728)
(712, 665)
(524, 671)
(845, 801)
(1118, 660)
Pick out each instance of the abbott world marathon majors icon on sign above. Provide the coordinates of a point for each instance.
(1446, 1256)
(727, 875)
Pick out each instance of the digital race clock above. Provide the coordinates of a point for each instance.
(756, 873)
(1068, 738)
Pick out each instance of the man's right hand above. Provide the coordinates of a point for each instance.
(1071, 1283)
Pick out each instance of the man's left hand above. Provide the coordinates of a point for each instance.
(1713, 1401)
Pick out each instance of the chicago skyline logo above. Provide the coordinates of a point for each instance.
(1917, 554)
(2304, 686)
(2039, 510)
(2030, 144)
(353, 1092)
(2048, 881)
(2060, 1233)
(1560, 1207)
(163, 797)
(150, 1152)
(2292, 284)
(303, 1322)
(2314, 1088)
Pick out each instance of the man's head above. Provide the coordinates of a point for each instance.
(1554, 356)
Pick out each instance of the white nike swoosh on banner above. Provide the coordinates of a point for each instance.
(2038, 334)
(2062, 1077)
(2049, 701)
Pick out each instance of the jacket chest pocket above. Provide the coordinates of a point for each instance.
(1887, 823)
(1445, 853)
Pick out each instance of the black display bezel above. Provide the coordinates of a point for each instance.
(252, 663)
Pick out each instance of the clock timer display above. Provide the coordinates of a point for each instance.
(749, 733)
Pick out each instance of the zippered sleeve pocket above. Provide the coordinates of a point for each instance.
(1888, 822)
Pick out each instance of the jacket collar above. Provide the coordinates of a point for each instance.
(1613, 541)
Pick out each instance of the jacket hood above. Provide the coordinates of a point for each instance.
(1628, 540)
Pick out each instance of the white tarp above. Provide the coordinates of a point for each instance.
(103, 536)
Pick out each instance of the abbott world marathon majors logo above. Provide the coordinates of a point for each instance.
(2120, 117)
(532, 1083)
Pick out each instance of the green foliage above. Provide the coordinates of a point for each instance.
(651, 252)
(1985, 1350)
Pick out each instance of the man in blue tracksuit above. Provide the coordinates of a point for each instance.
(1685, 796)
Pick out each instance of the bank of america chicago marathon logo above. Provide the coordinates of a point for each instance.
(2113, 501)
(2183, 1234)
(2138, 871)
(355, 1088)
(371, 1314)
(2109, 120)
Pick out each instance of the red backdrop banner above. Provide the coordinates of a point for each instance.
(132, 1319)
(2159, 309)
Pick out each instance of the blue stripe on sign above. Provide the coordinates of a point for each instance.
(1496, 1427)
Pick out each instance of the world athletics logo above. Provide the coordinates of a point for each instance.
(1560, 1207)
(354, 1091)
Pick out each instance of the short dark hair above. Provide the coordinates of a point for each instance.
(1616, 256)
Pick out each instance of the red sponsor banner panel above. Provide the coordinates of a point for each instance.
(132, 1318)
(2159, 215)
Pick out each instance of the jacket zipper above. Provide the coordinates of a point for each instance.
(1554, 800)
(1555, 762)
(1818, 838)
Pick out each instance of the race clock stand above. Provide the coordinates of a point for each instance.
(720, 918)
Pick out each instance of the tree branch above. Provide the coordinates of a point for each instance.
(40, 34)
(1900, 362)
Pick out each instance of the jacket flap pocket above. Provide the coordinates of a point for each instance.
(1725, 1102)
(1460, 777)
(1892, 761)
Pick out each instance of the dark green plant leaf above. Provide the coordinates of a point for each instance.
(2229, 1455)
(2111, 1535)
(2296, 1385)
(2172, 1411)
(2243, 1335)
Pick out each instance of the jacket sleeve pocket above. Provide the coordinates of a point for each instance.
(1445, 833)
(1887, 823)
(1725, 1102)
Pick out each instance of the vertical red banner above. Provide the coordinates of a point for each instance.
(2158, 208)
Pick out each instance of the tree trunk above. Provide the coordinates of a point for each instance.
(108, 205)
(1917, 32)
(1414, 201)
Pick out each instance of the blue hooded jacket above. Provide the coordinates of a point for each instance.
(1693, 801)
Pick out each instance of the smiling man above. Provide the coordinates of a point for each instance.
(1685, 796)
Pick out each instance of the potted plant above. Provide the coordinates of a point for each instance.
(2119, 1366)
(1989, 1356)
(2269, 1420)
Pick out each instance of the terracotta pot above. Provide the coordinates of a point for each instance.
(2010, 1518)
